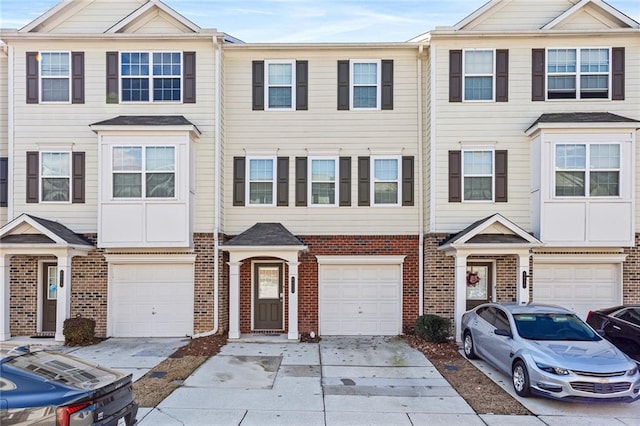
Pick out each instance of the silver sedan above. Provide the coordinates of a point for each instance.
(549, 351)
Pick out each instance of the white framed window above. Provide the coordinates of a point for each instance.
(479, 75)
(280, 77)
(322, 177)
(143, 172)
(260, 180)
(587, 170)
(151, 76)
(365, 84)
(55, 77)
(386, 180)
(478, 173)
(578, 73)
(55, 176)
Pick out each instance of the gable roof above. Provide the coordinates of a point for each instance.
(265, 234)
(582, 119)
(605, 7)
(146, 9)
(46, 232)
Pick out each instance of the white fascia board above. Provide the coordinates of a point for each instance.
(45, 16)
(193, 130)
(627, 125)
(476, 14)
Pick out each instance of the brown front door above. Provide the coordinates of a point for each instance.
(268, 297)
(479, 288)
(49, 296)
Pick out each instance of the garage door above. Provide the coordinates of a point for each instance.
(151, 300)
(360, 299)
(579, 287)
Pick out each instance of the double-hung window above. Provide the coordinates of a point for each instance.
(322, 175)
(151, 76)
(365, 84)
(591, 170)
(479, 72)
(279, 90)
(55, 75)
(478, 175)
(144, 171)
(386, 182)
(578, 73)
(261, 178)
(55, 175)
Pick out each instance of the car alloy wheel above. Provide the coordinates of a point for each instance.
(469, 350)
(520, 378)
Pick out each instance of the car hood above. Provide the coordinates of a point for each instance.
(599, 356)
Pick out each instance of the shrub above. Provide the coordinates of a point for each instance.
(79, 331)
(433, 328)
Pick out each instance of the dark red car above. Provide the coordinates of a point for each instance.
(621, 326)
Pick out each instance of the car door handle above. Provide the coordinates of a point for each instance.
(617, 328)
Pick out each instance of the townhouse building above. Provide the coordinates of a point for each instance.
(169, 180)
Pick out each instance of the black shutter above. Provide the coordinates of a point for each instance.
(4, 182)
(283, 181)
(617, 74)
(113, 95)
(238, 181)
(407, 181)
(302, 85)
(78, 177)
(32, 78)
(343, 85)
(501, 177)
(189, 77)
(387, 85)
(364, 190)
(502, 75)
(345, 182)
(455, 176)
(538, 75)
(301, 181)
(33, 187)
(258, 85)
(77, 77)
(455, 76)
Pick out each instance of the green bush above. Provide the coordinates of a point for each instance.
(433, 328)
(79, 331)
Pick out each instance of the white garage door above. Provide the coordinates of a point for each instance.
(360, 300)
(579, 287)
(151, 300)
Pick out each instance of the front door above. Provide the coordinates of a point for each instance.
(268, 296)
(49, 296)
(479, 279)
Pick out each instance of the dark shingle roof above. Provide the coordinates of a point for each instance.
(582, 117)
(146, 120)
(62, 231)
(265, 234)
(454, 237)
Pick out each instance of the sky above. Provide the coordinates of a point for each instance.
(306, 21)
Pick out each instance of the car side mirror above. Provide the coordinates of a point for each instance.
(502, 332)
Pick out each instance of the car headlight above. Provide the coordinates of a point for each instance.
(633, 371)
(553, 370)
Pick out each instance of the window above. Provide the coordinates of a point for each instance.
(279, 90)
(365, 84)
(592, 166)
(55, 75)
(322, 175)
(477, 169)
(578, 73)
(478, 75)
(260, 175)
(55, 175)
(151, 76)
(144, 172)
(386, 181)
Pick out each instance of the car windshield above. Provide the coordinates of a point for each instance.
(553, 327)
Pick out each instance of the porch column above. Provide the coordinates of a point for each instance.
(460, 292)
(63, 302)
(293, 301)
(522, 293)
(234, 300)
(5, 332)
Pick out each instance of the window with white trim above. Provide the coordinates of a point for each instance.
(479, 75)
(55, 176)
(151, 76)
(478, 175)
(578, 73)
(587, 170)
(365, 84)
(386, 182)
(261, 181)
(322, 178)
(279, 88)
(144, 171)
(55, 76)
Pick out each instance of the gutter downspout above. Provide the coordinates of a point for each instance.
(420, 189)
(10, 129)
(217, 176)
